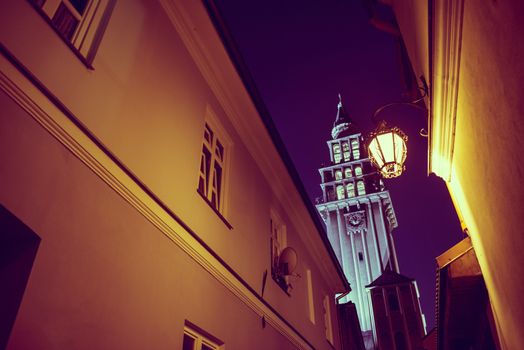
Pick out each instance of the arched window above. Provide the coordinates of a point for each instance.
(346, 151)
(337, 156)
(340, 192)
(358, 170)
(361, 188)
(338, 175)
(347, 172)
(350, 188)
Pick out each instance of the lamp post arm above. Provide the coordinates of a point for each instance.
(414, 103)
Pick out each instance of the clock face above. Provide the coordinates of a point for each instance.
(355, 220)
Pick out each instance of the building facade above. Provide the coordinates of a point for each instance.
(470, 54)
(146, 199)
(359, 217)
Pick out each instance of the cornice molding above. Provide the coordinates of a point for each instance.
(445, 54)
(69, 134)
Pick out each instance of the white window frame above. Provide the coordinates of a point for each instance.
(220, 189)
(201, 339)
(91, 24)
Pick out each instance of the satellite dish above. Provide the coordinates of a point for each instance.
(287, 261)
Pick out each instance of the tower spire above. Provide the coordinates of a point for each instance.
(343, 125)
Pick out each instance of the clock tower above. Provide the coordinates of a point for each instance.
(359, 218)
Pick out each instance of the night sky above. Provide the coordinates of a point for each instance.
(302, 54)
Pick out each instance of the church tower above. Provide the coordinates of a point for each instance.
(359, 217)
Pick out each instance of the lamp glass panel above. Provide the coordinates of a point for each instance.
(400, 149)
(387, 147)
(374, 152)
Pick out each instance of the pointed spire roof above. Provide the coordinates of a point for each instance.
(388, 278)
(342, 115)
(343, 125)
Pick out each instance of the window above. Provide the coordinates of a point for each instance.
(361, 189)
(81, 23)
(211, 176)
(311, 302)
(340, 192)
(327, 319)
(18, 248)
(346, 151)
(337, 157)
(338, 175)
(278, 243)
(347, 173)
(360, 256)
(199, 340)
(350, 187)
(356, 148)
(358, 170)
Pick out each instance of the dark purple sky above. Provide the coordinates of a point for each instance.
(301, 55)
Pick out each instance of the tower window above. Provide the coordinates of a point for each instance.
(212, 164)
(337, 156)
(361, 189)
(340, 192)
(358, 170)
(356, 148)
(338, 175)
(350, 188)
(347, 172)
(346, 151)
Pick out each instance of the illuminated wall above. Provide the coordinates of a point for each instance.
(476, 142)
(103, 162)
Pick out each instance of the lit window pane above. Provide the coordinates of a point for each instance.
(338, 175)
(340, 192)
(347, 171)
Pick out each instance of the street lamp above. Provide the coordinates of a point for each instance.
(387, 146)
(387, 150)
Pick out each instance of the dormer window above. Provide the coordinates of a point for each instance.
(346, 151)
(337, 156)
